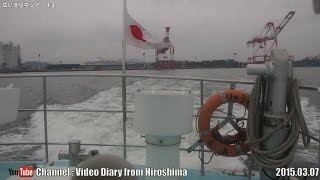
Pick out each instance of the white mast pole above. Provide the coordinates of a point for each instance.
(124, 94)
(124, 37)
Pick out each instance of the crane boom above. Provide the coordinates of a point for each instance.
(267, 38)
(284, 22)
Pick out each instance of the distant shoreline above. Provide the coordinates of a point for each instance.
(118, 68)
(114, 69)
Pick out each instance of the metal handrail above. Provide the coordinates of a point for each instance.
(124, 111)
(142, 76)
(126, 75)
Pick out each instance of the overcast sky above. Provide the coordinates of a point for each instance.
(79, 30)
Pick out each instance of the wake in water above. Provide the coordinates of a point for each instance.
(106, 128)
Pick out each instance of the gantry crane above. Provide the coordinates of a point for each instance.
(165, 55)
(267, 38)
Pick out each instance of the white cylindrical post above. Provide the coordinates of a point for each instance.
(278, 89)
(163, 117)
(74, 150)
(260, 69)
(276, 102)
(160, 149)
(276, 105)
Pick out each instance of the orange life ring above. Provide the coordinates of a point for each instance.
(229, 145)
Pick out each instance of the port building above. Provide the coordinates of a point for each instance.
(10, 56)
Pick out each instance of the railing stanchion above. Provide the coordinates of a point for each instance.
(230, 105)
(202, 158)
(201, 93)
(124, 116)
(250, 159)
(44, 101)
(202, 144)
(319, 152)
(319, 141)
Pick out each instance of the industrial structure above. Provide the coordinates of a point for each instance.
(10, 56)
(267, 39)
(164, 58)
(308, 62)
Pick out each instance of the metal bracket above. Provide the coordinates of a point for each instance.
(162, 140)
(194, 146)
(229, 120)
(75, 154)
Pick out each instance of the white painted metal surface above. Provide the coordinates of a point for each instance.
(278, 90)
(275, 110)
(260, 69)
(163, 114)
(163, 118)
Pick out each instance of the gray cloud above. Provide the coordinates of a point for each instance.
(78, 30)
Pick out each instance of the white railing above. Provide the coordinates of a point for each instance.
(124, 110)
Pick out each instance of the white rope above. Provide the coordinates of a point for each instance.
(282, 155)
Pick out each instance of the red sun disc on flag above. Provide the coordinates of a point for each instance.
(137, 32)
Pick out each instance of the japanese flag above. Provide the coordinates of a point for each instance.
(138, 36)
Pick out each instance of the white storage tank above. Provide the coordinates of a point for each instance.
(166, 114)
(163, 117)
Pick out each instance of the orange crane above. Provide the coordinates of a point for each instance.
(267, 38)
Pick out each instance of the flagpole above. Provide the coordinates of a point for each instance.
(124, 91)
(124, 37)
